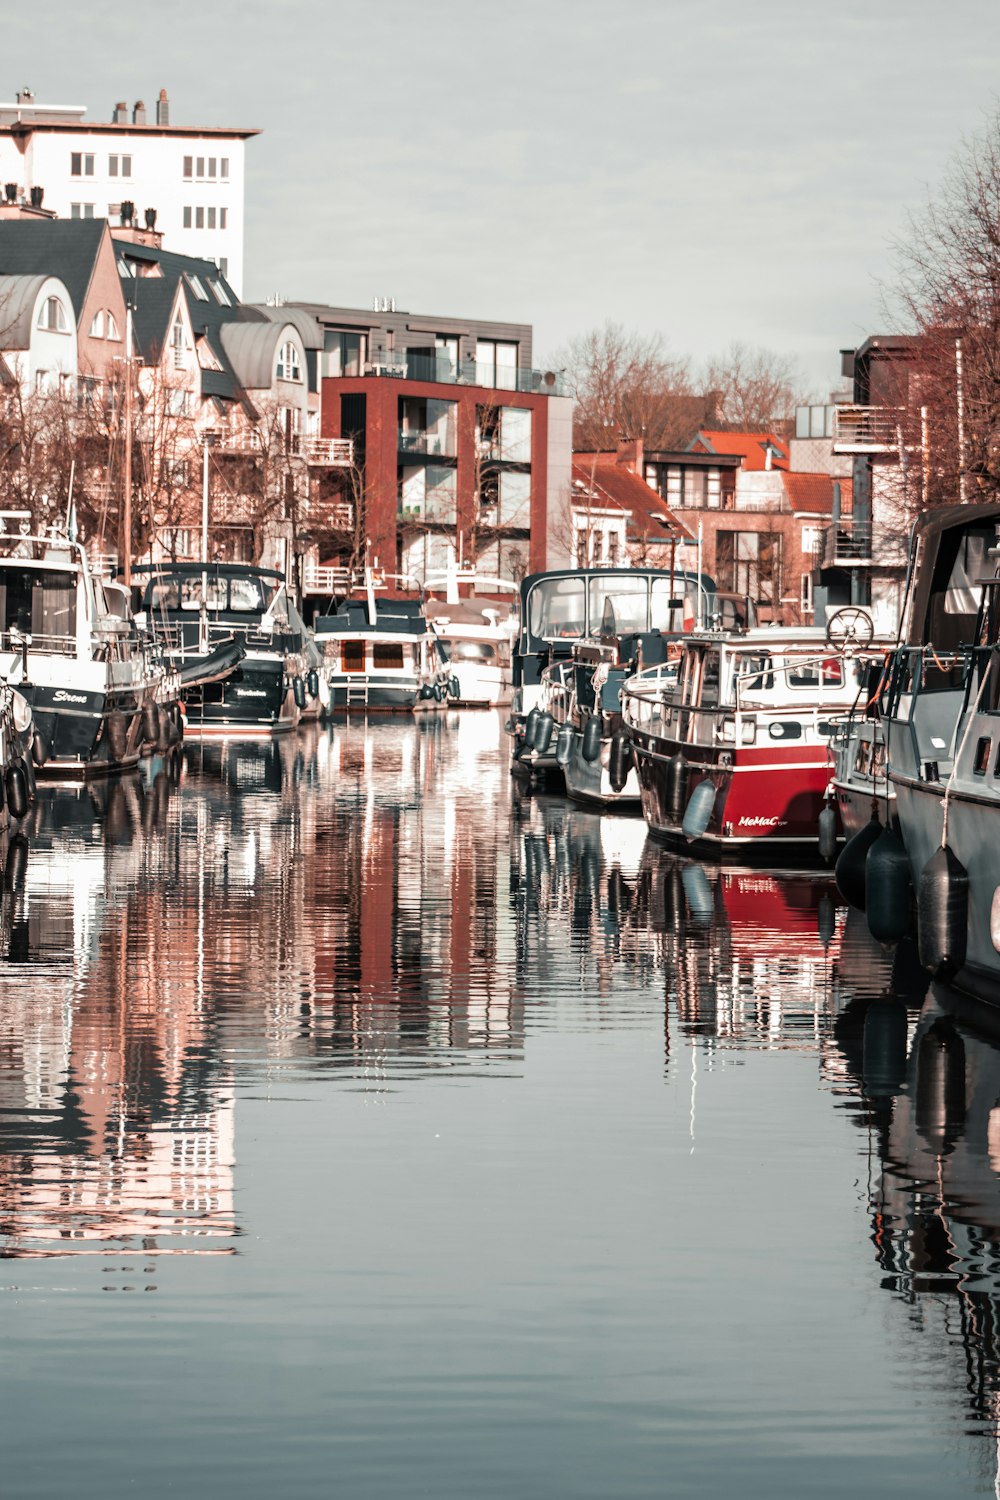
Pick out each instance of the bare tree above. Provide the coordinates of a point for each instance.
(948, 294)
(758, 389)
(627, 384)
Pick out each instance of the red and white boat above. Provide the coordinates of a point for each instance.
(733, 763)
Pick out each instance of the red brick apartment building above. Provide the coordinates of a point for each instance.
(462, 450)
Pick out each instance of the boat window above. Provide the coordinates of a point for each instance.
(667, 605)
(755, 672)
(352, 656)
(833, 672)
(557, 609)
(163, 594)
(38, 602)
(954, 596)
(472, 651)
(981, 761)
(245, 595)
(785, 729)
(618, 606)
(388, 654)
(803, 674)
(710, 680)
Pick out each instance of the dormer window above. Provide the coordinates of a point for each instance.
(220, 293)
(52, 317)
(197, 288)
(288, 362)
(97, 325)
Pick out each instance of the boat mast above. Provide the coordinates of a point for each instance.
(203, 613)
(126, 539)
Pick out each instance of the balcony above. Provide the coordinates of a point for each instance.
(325, 581)
(324, 453)
(441, 370)
(417, 441)
(870, 429)
(846, 544)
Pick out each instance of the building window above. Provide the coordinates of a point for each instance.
(812, 539)
(201, 166)
(211, 218)
(178, 402)
(807, 594)
(224, 264)
(211, 166)
(41, 382)
(612, 549)
(112, 327)
(81, 164)
(199, 218)
(196, 287)
(52, 317)
(177, 335)
(81, 210)
(749, 562)
(224, 168)
(220, 293)
(581, 549)
(496, 364)
(344, 353)
(288, 362)
(97, 326)
(223, 218)
(188, 165)
(187, 218)
(119, 166)
(692, 486)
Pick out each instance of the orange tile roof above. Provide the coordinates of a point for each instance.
(610, 486)
(751, 447)
(814, 493)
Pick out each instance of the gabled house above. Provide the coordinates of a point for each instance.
(38, 342)
(617, 517)
(81, 254)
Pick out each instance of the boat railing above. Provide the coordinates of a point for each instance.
(49, 644)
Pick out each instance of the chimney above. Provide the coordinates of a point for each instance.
(10, 191)
(37, 194)
(163, 109)
(139, 113)
(25, 96)
(630, 454)
(768, 456)
(120, 113)
(150, 217)
(126, 211)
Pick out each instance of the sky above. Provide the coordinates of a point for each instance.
(734, 171)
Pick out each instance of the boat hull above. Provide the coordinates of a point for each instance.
(588, 780)
(767, 800)
(253, 700)
(86, 733)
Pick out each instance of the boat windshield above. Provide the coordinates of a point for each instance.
(557, 609)
(40, 602)
(237, 594)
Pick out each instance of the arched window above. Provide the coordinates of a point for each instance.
(53, 316)
(288, 362)
(112, 332)
(97, 325)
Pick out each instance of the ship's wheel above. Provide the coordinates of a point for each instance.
(850, 626)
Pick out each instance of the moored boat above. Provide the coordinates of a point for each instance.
(733, 763)
(380, 654)
(193, 611)
(69, 646)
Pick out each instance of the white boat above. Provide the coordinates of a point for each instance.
(70, 648)
(476, 635)
(380, 654)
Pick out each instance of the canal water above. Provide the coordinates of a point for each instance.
(369, 1127)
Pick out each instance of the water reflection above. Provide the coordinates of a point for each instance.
(287, 933)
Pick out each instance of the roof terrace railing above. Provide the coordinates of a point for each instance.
(871, 429)
(440, 369)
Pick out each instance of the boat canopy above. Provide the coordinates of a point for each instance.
(950, 559)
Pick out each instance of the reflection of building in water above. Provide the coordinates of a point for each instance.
(116, 1122)
(407, 891)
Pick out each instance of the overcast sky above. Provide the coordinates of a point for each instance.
(734, 170)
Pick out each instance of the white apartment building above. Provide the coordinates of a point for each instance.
(190, 177)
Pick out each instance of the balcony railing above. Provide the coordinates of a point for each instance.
(846, 542)
(317, 580)
(248, 442)
(324, 453)
(444, 371)
(425, 442)
(870, 429)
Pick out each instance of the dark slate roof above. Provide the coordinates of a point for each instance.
(152, 299)
(66, 248)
